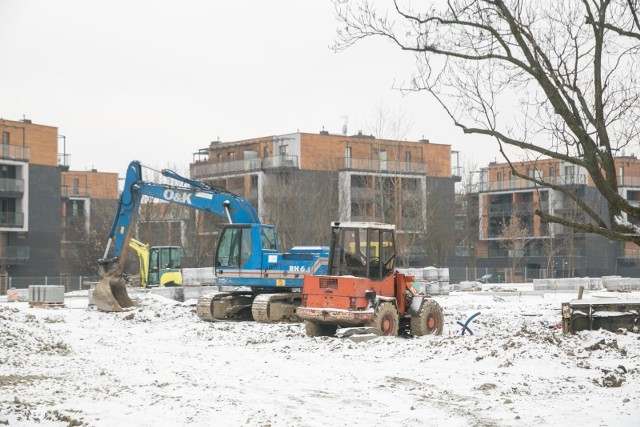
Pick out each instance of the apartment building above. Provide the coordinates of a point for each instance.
(29, 187)
(550, 249)
(302, 181)
(49, 214)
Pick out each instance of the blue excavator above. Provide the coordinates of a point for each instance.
(263, 282)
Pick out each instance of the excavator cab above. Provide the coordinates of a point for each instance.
(165, 267)
(240, 246)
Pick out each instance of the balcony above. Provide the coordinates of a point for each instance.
(628, 181)
(14, 254)
(205, 170)
(68, 191)
(377, 165)
(501, 209)
(14, 152)
(519, 183)
(11, 185)
(11, 219)
(630, 254)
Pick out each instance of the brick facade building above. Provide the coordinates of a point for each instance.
(552, 250)
(46, 209)
(301, 182)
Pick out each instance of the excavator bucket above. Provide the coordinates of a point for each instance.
(110, 294)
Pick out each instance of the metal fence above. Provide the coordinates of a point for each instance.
(494, 275)
(70, 283)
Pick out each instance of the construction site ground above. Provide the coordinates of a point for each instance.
(158, 364)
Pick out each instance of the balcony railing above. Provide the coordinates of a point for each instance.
(377, 165)
(14, 254)
(11, 219)
(631, 254)
(519, 183)
(205, 170)
(628, 181)
(68, 191)
(10, 185)
(14, 152)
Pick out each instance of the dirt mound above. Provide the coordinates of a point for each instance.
(22, 335)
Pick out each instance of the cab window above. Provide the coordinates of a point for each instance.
(234, 248)
(267, 238)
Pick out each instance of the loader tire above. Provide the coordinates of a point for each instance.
(319, 330)
(429, 321)
(386, 319)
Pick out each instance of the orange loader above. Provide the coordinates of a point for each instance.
(363, 288)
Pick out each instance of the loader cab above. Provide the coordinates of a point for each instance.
(362, 249)
(242, 245)
(165, 267)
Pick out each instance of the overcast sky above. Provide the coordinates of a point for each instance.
(156, 80)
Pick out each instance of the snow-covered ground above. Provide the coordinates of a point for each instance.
(159, 365)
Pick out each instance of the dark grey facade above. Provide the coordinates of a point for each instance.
(43, 237)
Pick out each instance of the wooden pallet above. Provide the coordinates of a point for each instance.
(36, 304)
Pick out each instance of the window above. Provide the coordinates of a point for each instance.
(219, 157)
(76, 186)
(569, 172)
(8, 171)
(382, 159)
(407, 161)
(5, 138)
(267, 238)
(362, 253)
(234, 247)
(165, 258)
(153, 261)
(231, 155)
(388, 257)
(347, 157)
(348, 258)
(75, 208)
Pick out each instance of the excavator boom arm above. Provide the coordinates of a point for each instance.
(197, 195)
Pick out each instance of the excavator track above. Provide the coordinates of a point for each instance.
(281, 307)
(203, 308)
(223, 305)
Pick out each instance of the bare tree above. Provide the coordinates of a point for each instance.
(515, 236)
(82, 251)
(468, 220)
(301, 204)
(440, 236)
(543, 79)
